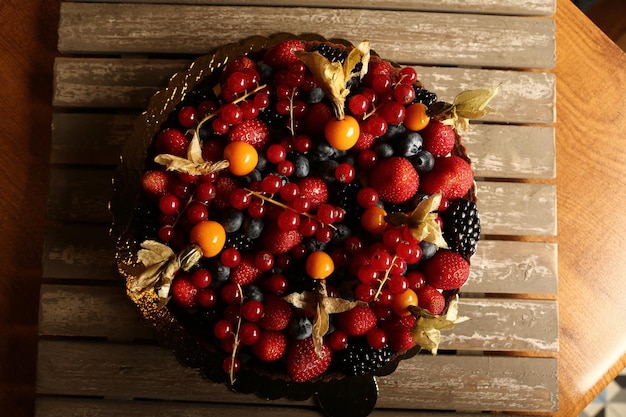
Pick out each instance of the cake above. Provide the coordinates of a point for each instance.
(297, 210)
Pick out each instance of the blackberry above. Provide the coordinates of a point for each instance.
(346, 199)
(331, 53)
(461, 227)
(238, 240)
(424, 96)
(336, 55)
(360, 358)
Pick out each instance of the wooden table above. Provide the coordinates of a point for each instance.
(590, 222)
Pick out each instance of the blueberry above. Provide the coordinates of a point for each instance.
(300, 328)
(253, 292)
(262, 163)
(253, 227)
(341, 233)
(315, 95)
(424, 161)
(222, 272)
(410, 144)
(233, 221)
(383, 149)
(314, 245)
(301, 166)
(255, 175)
(394, 132)
(428, 250)
(327, 170)
(265, 71)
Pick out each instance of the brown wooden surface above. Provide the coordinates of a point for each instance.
(590, 184)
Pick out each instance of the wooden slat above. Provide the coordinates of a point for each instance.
(496, 151)
(525, 97)
(496, 324)
(80, 195)
(419, 38)
(423, 382)
(505, 208)
(500, 267)
(510, 267)
(513, 7)
(517, 209)
(81, 407)
(79, 251)
(89, 139)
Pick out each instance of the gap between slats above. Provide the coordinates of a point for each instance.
(425, 38)
(503, 7)
(425, 382)
(525, 97)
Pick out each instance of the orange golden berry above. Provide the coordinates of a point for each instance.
(210, 236)
(319, 265)
(416, 118)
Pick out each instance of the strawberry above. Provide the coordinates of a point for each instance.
(282, 54)
(270, 346)
(224, 185)
(314, 189)
(452, 176)
(277, 313)
(303, 364)
(377, 67)
(365, 140)
(172, 141)
(252, 131)
(431, 299)
(398, 330)
(446, 270)
(316, 118)
(279, 241)
(245, 272)
(183, 291)
(357, 321)
(238, 64)
(395, 180)
(438, 138)
(156, 183)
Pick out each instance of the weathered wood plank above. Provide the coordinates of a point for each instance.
(495, 324)
(496, 151)
(510, 267)
(81, 195)
(81, 407)
(525, 97)
(512, 7)
(74, 251)
(79, 251)
(89, 139)
(423, 382)
(420, 38)
(505, 208)
(517, 209)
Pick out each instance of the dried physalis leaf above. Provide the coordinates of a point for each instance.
(333, 77)
(427, 329)
(162, 264)
(319, 303)
(422, 222)
(194, 164)
(471, 104)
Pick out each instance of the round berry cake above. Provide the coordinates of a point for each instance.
(302, 211)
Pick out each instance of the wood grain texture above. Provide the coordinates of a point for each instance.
(505, 41)
(525, 97)
(129, 371)
(592, 248)
(496, 324)
(514, 7)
